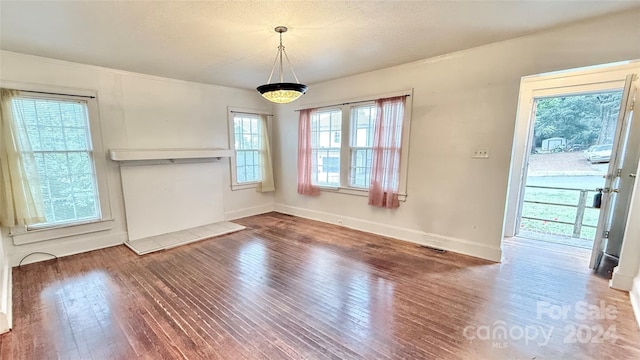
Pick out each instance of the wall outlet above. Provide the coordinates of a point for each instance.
(480, 154)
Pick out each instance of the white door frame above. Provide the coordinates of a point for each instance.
(601, 78)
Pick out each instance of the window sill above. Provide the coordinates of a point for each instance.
(355, 192)
(252, 185)
(51, 233)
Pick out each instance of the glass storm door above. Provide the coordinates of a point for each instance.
(616, 191)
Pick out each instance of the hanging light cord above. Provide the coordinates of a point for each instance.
(290, 67)
(279, 57)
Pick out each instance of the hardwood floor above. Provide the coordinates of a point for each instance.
(291, 288)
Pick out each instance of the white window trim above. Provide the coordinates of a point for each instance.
(232, 160)
(21, 234)
(345, 147)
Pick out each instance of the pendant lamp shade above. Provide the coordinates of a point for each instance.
(282, 92)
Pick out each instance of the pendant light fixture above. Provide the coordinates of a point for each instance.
(282, 92)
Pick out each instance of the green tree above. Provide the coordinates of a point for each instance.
(581, 119)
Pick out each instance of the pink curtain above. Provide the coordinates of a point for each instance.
(305, 161)
(387, 147)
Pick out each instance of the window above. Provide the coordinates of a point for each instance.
(247, 135)
(326, 126)
(362, 125)
(58, 130)
(251, 165)
(342, 151)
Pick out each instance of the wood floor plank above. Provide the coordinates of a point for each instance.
(292, 288)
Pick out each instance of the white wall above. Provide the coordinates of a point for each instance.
(630, 255)
(140, 111)
(462, 101)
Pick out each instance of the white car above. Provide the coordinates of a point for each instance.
(599, 153)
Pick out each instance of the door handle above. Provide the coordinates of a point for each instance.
(609, 190)
(632, 175)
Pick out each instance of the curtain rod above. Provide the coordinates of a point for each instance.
(249, 113)
(52, 93)
(353, 102)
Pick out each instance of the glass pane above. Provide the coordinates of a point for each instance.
(83, 184)
(246, 126)
(55, 165)
(63, 210)
(80, 163)
(60, 187)
(359, 178)
(28, 109)
(72, 115)
(336, 139)
(52, 138)
(240, 158)
(86, 206)
(251, 176)
(324, 139)
(254, 126)
(241, 176)
(328, 167)
(361, 167)
(255, 141)
(325, 122)
(48, 209)
(238, 141)
(76, 139)
(248, 158)
(45, 114)
(362, 137)
(314, 166)
(33, 134)
(256, 158)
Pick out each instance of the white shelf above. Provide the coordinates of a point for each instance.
(167, 154)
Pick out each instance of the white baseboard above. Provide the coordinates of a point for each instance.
(5, 296)
(66, 248)
(621, 281)
(250, 211)
(415, 236)
(634, 294)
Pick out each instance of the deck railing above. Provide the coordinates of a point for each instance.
(581, 206)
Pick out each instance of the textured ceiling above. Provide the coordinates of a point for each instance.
(232, 43)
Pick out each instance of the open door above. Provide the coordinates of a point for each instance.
(616, 177)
